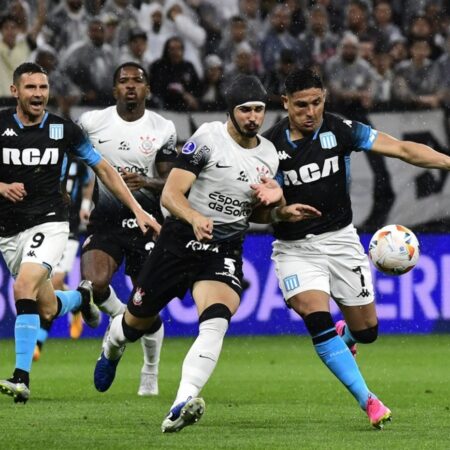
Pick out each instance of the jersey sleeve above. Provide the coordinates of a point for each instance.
(82, 148)
(195, 154)
(363, 136)
(168, 151)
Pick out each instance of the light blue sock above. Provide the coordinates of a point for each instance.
(25, 333)
(42, 335)
(337, 357)
(347, 337)
(70, 300)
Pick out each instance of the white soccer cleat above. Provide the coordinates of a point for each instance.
(89, 310)
(149, 384)
(19, 391)
(184, 414)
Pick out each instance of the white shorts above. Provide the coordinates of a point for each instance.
(65, 265)
(43, 244)
(332, 262)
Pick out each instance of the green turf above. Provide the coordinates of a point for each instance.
(266, 393)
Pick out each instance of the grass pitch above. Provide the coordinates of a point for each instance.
(266, 393)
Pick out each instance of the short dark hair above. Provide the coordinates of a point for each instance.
(301, 79)
(129, 64)
(27, 67)
(4, 18)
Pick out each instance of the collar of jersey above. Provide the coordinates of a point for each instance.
(292, 143)
(22, 126)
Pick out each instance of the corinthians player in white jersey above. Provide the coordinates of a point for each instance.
(140, 144)
(210, 195)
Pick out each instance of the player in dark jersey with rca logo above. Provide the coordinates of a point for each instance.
(34, 225)
(322, 257)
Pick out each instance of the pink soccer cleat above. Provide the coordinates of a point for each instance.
(377, 413)
(340, 326)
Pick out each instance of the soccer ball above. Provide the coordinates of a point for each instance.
(394, 249)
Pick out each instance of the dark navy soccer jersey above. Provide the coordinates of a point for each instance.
(315, 170)
(33, 155)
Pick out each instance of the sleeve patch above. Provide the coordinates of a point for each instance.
(189, 148)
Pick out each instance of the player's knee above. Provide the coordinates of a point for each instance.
(366, 336)
(155, 326)
(132, 334)
(214, 311)
(24, 289)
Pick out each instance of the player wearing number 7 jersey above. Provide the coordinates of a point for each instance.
(34, 223)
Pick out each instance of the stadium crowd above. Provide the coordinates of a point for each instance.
(373, 54)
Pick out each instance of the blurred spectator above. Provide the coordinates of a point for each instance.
(416, 81)
(367, 49)
(250, 10)
(317, 44)
(20, 10)
(278, 37)
(182, 21)
(66, 24)
(298, 20)
(90, 65)
(336, 10)
(351, 80)
(357, 19)
(243, 64)
(136, 51)
(398, 50)
(385, 30)
(111, 25)
(127, 15)
(16, 48)
(63, 93)
(274, 79)
(226, 9)
(173, 79)
(233, 36)
(383, 93)
(211, 95)
(420, 28)
(443, 70)
(210, 19)
(151, 20)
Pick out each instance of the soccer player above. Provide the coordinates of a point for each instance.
(323, 256)
(141, 146)
(210, 198)
(34, 223)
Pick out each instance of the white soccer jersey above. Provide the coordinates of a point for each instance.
(225, 171)
(128, 146)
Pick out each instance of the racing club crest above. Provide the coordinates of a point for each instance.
(56, 131)
(147, 144)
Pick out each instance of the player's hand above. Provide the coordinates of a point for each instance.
(14, 192)
(84, 216)
(203, 227)
(147, 222)
(268, 191)
(134, 181)
(296, 212)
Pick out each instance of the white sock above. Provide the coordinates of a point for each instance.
(151, 346)
(116, 340)
(201, 358)
(112, 305)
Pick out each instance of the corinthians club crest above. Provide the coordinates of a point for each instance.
(147, 144)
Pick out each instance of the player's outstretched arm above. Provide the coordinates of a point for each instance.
(411, 152)
(174, 199)
(268, 192)
(14, 192)
(113, 181)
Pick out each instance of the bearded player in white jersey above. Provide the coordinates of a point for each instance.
(140, 144)
(210, 195)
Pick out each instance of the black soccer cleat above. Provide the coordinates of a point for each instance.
(89, 310)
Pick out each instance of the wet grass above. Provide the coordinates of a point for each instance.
(266, 393)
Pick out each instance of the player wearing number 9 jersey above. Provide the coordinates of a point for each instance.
(34, 216)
